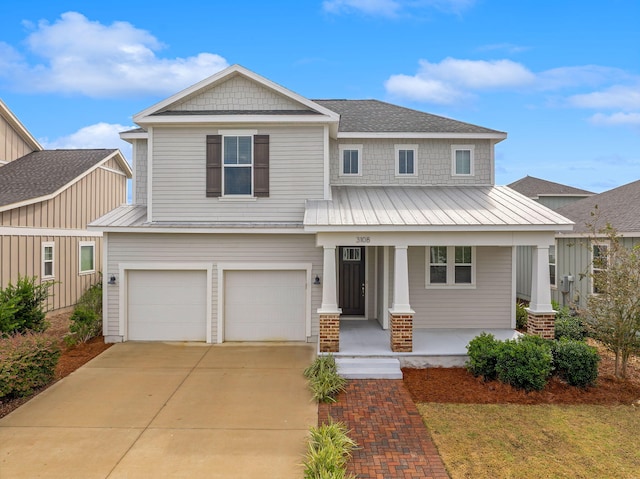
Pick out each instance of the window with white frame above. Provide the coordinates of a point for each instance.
(600, 263)
(450, 266)
(552, 265)
(48, 252)
(87, 257)
(406, 160)
(462, 163)
(237, 168)
(350, 160)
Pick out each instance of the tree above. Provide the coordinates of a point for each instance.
(613, 314)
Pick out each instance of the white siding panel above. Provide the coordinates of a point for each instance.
(486, 306)
(296, 174)
(225, 248)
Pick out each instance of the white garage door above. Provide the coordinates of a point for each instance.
(167, 305)
(264, 306)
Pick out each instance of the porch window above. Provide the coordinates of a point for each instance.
(599, 267)
(451, 266)
(351, 160)
(552, 265)
(462, 160)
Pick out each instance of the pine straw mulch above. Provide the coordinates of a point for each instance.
(456, 385)
(70, 359)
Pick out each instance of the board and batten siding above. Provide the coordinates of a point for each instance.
(22, 256)
(93, 196)
(433, 163)
(486, 306)
(213, 249)
(178, 171)
(12, 145)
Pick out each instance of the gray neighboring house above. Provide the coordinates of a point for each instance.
(261, 215)
(619, 207)
(552, 195)
(47, 198)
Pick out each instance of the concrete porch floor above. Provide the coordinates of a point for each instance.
(431, 347)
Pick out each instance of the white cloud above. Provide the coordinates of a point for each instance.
(423, 89)
(616, 97)
(393, 8)
(508, 47)
(96, 60)
(99, 135)
(616, 119)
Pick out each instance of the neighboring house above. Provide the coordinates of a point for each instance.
(47, 198)
(554, 196)
(619, 207)
(262, 215)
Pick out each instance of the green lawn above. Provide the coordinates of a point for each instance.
(514, 441)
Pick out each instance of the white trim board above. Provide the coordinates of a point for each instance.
(27, 231)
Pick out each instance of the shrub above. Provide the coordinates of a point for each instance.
(27, 362)
(576, 362)
(324, 380)
(524, 363)
(521, 316)
(328, 451)
(570, 327)
(92, 299)
(84, 325)
(28, 299)
(483, 353)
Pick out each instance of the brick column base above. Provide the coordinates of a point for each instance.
(541, 324)
(401, 332)
(329, 332)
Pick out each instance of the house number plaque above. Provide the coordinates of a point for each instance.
(363, 239)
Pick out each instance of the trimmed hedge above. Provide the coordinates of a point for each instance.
(576, 362)
(525, 364)
(570, 327)
(483, 354)
(27, 362)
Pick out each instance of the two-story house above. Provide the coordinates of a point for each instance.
(262, 215)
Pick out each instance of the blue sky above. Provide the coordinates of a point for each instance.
(561, 77)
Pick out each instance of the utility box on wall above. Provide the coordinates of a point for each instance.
(565, 284)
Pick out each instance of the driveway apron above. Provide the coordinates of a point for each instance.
(174, 410)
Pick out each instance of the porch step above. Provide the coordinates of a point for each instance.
(369, 368)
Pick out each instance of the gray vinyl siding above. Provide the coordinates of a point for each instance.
(210, 248)
(178, 190)
(486, 306)
(433, 163)
(140, 172)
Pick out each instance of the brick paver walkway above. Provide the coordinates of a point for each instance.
(384, 421)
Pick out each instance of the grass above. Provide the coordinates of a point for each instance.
(514, 441)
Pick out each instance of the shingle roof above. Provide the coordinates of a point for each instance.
(533, 187)
(42, 173)
(619, 207)
(378, 116)
(438, 208)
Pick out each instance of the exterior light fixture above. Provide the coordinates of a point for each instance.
(317, 280)
(112, 279)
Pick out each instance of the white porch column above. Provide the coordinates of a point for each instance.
(329, 285)
(401, 282)
(540, 281)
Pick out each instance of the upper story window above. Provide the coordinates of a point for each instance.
(406, 160)
(450, 266)
(462, 163)
(599, 267)
(48, 249)
(87, 257)
(350, 160)
(237, 164)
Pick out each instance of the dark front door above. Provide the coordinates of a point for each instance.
(352, 280)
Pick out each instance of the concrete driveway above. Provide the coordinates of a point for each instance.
(174, 410)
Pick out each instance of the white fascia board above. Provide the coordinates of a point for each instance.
(441, 228)
(141, 135)
(199, 119)
(633, 234)
(28, 231)
(223, 75)
(203, 230)
(116, 154)
(426, 135)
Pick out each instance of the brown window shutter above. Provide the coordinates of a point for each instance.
(261, 165)
(214, 165)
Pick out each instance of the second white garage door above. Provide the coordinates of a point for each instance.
(264, 305)
(167, 305)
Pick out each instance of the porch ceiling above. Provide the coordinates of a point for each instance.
(454, 208)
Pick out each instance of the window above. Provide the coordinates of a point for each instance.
(600, 263)
(462, 160)
(351, 160)
(87, 257)
(552, 265)
(237, 164)
(406, 159)
(351, 254)
(47, 260)
(451, 266)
